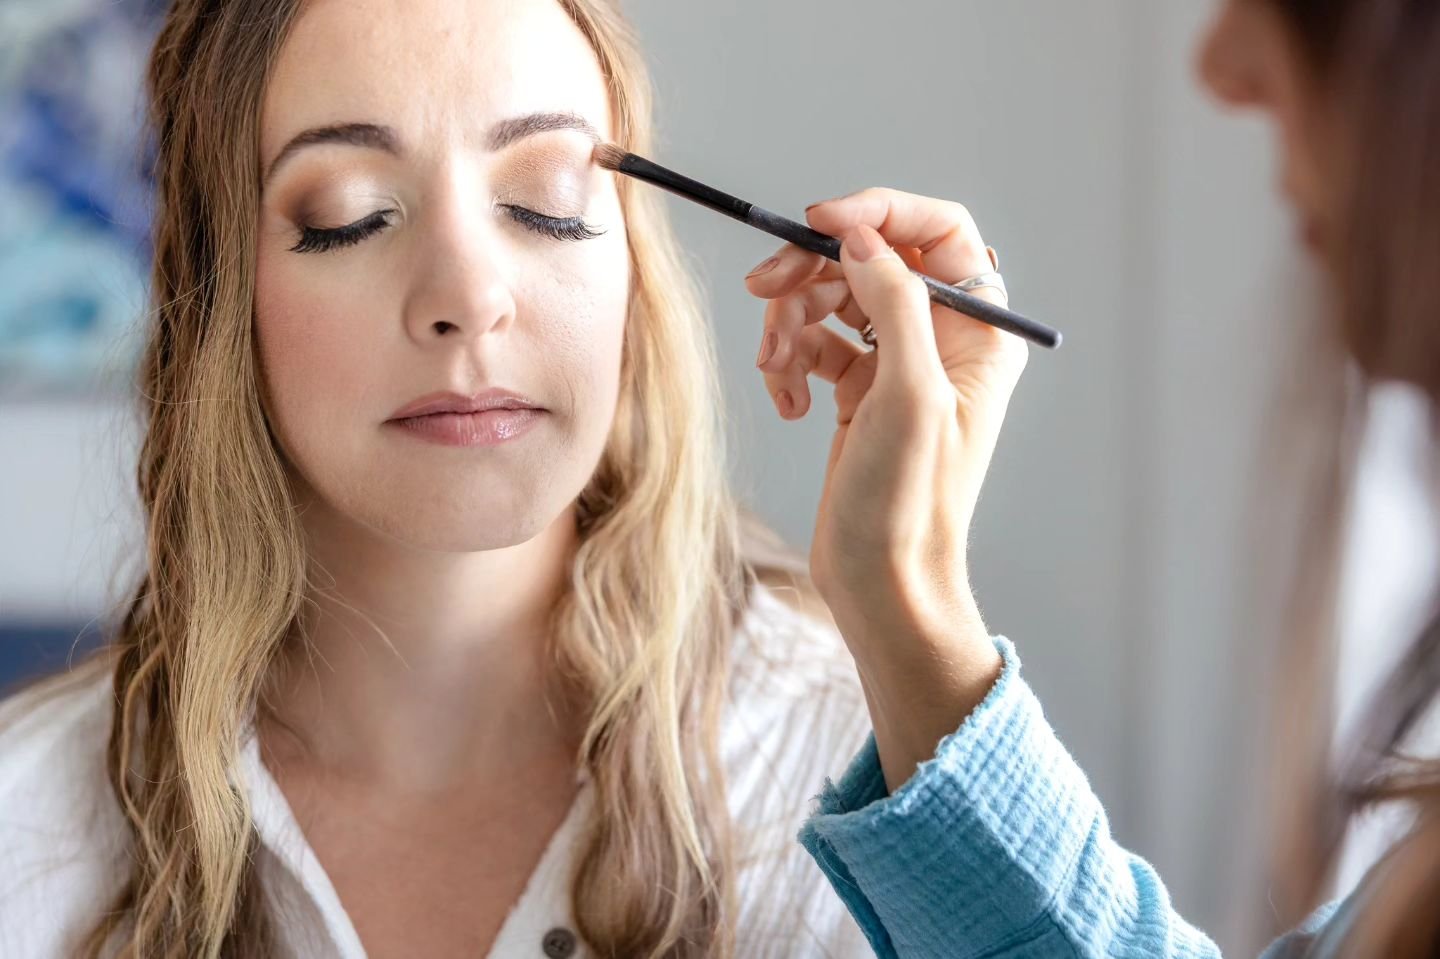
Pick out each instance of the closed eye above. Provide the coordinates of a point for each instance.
(561, 228)
(314, 239)
(319, 240)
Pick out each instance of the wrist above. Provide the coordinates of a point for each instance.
(924, 673)
(896, 630)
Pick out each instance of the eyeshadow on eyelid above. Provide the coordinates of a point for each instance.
(555, 190)
(337, 208)
(553, 158)
(553, 176)
(335, 191)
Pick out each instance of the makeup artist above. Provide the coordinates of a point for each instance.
(964, 828)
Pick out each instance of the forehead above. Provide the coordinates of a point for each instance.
(438, 70)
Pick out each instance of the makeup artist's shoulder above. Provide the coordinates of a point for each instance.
(61, 831)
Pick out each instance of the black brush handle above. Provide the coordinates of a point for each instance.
(693, 190)
(942, 293)
(802, 236)
(792, 232)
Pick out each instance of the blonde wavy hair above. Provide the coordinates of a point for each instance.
(661, 578)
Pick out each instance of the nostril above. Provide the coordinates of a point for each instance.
(443, 327)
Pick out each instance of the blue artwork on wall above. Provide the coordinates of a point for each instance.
(74, 191)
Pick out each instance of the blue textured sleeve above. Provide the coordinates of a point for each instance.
(996, 847)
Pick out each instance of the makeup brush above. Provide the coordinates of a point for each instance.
(613, 158)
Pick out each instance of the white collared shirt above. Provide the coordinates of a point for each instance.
(796, 715)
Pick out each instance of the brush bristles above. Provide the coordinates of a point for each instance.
(609, 156)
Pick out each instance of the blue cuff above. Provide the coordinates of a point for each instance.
(863, 782)
(971, 853)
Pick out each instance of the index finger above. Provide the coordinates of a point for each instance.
(942, 230)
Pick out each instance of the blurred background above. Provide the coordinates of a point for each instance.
(1132, 536)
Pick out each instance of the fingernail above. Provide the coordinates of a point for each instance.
(864, 243)
(764, 267)
(784, 403)
(767, 347)
(812, 206)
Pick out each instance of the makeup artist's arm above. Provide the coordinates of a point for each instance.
(963, 827)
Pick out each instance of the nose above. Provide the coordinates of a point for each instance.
(462, 286)
(1229, 62)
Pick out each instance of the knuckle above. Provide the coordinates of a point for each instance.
(958, 213)
(781, 314)
(806, 355)
(972, 247)
(831, 296)
(965, 238)
(817, 299)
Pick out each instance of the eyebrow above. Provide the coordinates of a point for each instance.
(376, 136)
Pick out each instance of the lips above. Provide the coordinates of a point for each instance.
(486, 428)
(450, 402)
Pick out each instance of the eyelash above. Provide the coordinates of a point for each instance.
(318, 240)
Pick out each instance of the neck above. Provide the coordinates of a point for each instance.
(426, 671)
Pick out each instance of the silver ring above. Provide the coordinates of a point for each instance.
(994, 280)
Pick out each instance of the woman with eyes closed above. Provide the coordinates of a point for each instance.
(408, 682)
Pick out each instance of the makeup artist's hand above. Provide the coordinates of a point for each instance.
(918, 418)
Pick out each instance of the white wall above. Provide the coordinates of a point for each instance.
(989, 104)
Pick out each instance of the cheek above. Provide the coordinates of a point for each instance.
(317, 360)
(580, 318)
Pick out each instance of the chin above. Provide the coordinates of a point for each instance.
(447, 514)
(473, 527)
(454, 506)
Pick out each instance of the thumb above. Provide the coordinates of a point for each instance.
(895, 302)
